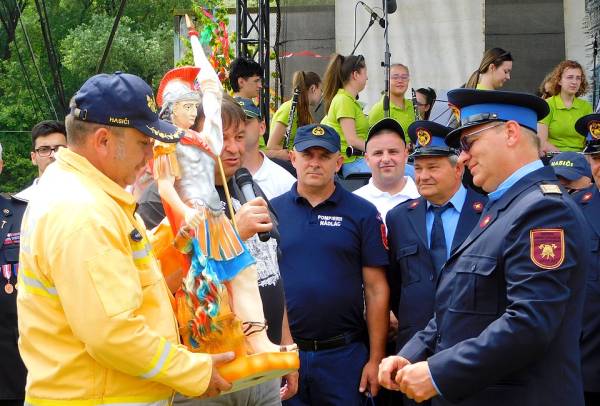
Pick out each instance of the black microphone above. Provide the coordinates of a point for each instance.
(374, 15)
(243, 178)
(391, 6)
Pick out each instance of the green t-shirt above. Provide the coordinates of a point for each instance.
(405, 116)
(482, 87)
(344, 105)
(561, 123)
(282, 115)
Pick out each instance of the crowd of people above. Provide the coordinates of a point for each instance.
(464, 270)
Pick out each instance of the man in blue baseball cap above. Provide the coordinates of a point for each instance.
(589, 201)
(332, 265)
(509, 299)
(92, 292)
(572, 170)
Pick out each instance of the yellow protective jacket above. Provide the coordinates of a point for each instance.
(95, 321)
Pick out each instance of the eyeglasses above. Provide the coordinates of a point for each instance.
(398, 77)
(467, 142)
(47, 150)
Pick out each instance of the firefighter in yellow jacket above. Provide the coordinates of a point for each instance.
(96, 324)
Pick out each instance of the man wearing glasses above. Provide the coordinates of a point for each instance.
(508, 308)
(401, 109)
(46, 138)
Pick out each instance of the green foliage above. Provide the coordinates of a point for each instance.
(143, 45)
(146, 53)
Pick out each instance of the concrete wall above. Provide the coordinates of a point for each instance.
(440, 41)
(533, 31)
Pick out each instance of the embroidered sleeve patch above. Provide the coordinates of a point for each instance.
(547, 247)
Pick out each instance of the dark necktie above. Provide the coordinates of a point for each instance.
(439, 254)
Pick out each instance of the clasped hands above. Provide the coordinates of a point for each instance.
(414, 380)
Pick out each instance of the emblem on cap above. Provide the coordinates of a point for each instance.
(318, 131)
(151, 103)
(594, 128)
(547, 247)
(423, 137)
(455, 111)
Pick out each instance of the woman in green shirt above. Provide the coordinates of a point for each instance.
(494, 70)
(557, 130)
(309, 85)
(345, 78)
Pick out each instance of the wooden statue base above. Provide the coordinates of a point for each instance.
(250, 370)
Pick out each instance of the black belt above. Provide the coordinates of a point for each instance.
(328, 343)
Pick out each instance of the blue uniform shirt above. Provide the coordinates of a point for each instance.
(449, 218)
(514, 178)
(323, 251)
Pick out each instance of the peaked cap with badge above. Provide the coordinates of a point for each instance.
(317, 135)
(589, 127)
(474, 107)
(428, 138)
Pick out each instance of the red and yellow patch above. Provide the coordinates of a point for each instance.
(547, 247)
(586, 197)
(423, 137)
(414, 204)
(384, 238)
(478, 207)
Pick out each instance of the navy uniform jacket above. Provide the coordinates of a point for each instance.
(509, 304)
(589, 201)
(412, 276)
(12, 370)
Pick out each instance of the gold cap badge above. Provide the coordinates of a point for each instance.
(318, 131)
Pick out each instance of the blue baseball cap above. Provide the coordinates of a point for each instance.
(317, 135)
(589, 127)
(474, 107)
(122, 100)
(571, 165)
(428, 138)
(251, 109)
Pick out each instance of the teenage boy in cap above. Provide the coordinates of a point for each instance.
(572, 170)
(90, 290)
(423, 232)
(509, 300)
(589, 201)
(386, 154)
(333, 253)
(272, 178)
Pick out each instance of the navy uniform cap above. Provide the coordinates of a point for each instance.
(122, 100)
(571, 165)
(474, 107)
(589, 127)
(386, 123)
(317, 135)
(251, 109)
(428, 138)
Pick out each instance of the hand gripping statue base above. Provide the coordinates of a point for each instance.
(218, 305)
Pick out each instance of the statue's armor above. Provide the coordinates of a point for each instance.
(196, 184)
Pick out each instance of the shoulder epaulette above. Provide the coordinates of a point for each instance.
(550, 189)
